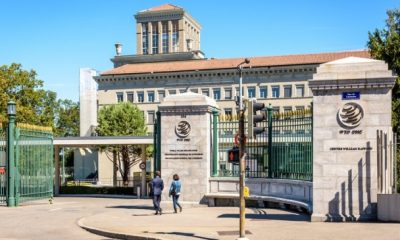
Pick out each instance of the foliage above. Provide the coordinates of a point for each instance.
(123, 119)
(384, 44)
(96, 190)
(35, 105)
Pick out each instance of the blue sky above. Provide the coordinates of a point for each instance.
(57, 37)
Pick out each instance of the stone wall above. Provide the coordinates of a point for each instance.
(351, 100)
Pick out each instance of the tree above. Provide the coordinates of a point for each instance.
(67, 118)
(384, 44)
(123, 119)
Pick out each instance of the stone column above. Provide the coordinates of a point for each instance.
(351, 100)
(150, 38)
(139, 43)
(170, 36)
(160, 35)
(182, 36)
(186, 143)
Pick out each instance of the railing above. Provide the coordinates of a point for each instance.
(287, 154)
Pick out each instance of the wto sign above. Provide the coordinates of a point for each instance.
(350, 115)
(182, 129)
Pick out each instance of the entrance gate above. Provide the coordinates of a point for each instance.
(34, 170)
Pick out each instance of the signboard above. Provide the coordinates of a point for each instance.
(350, 95)
(142, 165)
(246, 192)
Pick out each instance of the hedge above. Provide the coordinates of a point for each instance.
(96, 190)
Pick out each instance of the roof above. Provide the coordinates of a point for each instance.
(164, 7)
(229, 63)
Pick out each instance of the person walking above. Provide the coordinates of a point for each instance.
(157, 185)
(175, 192)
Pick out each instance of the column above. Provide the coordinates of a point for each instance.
(160, 48)
(170, 36)
(139, 40)
(57, 170)
(150, 26)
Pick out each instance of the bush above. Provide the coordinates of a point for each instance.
(96, 190)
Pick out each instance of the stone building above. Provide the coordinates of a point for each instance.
(169, 61)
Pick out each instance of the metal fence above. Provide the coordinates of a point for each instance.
(34, 159)
(283, 150)
(3, 176)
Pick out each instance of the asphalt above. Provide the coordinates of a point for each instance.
(125, 218)
(137, 221)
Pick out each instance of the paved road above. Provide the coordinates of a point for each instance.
(41, 220)
(132, 217)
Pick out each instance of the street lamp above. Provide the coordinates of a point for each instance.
(11, 108)
(11, 112)
(241, 152)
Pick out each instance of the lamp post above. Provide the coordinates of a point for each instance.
(11, 112)
(241, 152)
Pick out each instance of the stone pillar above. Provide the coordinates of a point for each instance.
(139, 43)
(182, 36)
(160, 35)
(170, 36)
(150, 38)
(186, 147)
(351, 100)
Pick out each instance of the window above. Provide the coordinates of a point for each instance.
(175, 36)
(140, 96)
(287, 91)
(155, 37)
(251, 92)
(228, 93)
(150, 96)
(300, 91)
(275, 91)
(237, 91)
(299, 108)
(263, 92)
(129, 96)
(287, 109)
(172, 92)
(217, 93)
(228, 111)
(120, 97)
(194, 90)
(205, 92)
(275, 110)
(161, 95)
(182, 90)
(165, 43)
(145, 39)
(150, 117)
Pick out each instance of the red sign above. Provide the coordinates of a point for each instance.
(2, 170)
(231, 156)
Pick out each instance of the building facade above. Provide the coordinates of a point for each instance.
(169, 61)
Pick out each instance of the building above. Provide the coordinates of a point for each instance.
(169, 61)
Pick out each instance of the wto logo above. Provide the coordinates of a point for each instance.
(350, 115)
(182, 129)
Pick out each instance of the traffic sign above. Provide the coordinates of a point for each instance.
(142, 165)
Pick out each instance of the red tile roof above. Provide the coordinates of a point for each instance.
(229, 63)
(164, 7)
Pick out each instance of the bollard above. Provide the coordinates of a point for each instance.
(138, 192)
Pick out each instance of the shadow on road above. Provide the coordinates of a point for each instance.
(133, 207)
(282, 217)
(186, 234)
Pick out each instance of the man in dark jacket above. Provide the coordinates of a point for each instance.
(158, 186)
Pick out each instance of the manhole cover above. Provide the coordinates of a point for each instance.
(231, 233)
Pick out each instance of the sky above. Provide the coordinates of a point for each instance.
(58, 37)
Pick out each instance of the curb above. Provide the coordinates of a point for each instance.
(115, 235)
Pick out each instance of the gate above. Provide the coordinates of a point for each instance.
(34, 154)
(282, 151)
(3, 176)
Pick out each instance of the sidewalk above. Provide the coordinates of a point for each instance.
(137, 221)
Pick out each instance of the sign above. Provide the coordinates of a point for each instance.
(2, 170)
(350, 95)
(246, 192)
(233, 154)
(182, 129)
(350, 115)
(142, 165)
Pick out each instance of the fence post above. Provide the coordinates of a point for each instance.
(11, 111)
(269, 110)
(215, 143)
(158, 157)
